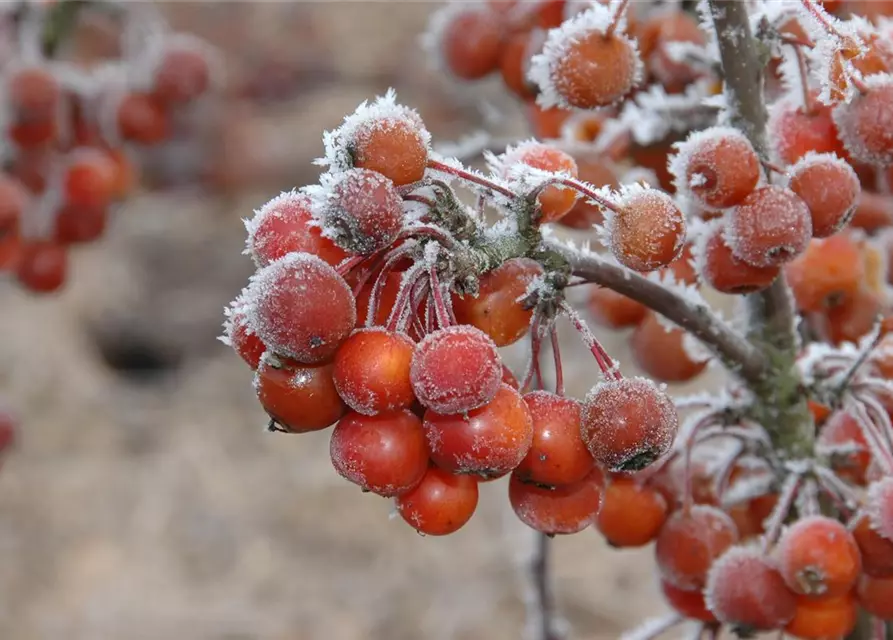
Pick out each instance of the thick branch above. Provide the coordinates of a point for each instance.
(736, 352)
(781, 406)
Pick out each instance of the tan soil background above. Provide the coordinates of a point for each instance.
(152, 506)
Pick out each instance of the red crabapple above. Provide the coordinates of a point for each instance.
(141, 119)
(514, 62)
(817, 556)
(456, 369)
(89, 178)
(615, 310)
(239, 336)
(690, 541)
(299, 399)
(372, 371)
(875, 595)
(726, 273)
(647, 231)
(629, 423)
(745, 591)
(818, 618)
(586, 67)
(471, 43)
(394, 144)
(385, 454)
(440, 504)
(555, 201)
(842, 438)
(769, 227)
(864, 122)
(362, 212)
(557, 455)
(42, 266)
(565, 509)
(13, 201)
(661, 353)
(829, 272)
(876, 551)
(880, 506)
(76, 224)
(488, 441)
(717, 167)
(796, 132)
(300, 308)
(182, 72)
(33, 93)
(829, 187)
(631, 514)
(496, 309)
(688, 603)
(284, 225)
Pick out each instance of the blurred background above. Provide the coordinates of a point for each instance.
(143, 499)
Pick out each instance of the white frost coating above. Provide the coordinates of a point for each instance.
(383, 113)
(283, 204)
(880, 506)
(652, 114)
(559, 41)
(703, 140)
(771, 225)
(456, 369)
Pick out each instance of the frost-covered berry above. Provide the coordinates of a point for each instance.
(745, 591)
(866, 122)
(727, 274)
(584, 65)
(385, 454)
(627, 424)
(716, 167)
(284, 225)
(817, 556)
(441, 503)
(300, 308)
(829, 187)
(383, 136)
(647, 231)
(565, 509)
(770, 227)
(469, 41)
(238, 335)
(690, 541)
(489, 441)
(880, 506)
(794, 131)
(141, 118)
(456, 369)
(688, 603)
(876, 550)
(299, 399)
(372, 371)
(361, 210)
(555, 201)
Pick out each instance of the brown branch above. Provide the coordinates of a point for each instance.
(739, 355)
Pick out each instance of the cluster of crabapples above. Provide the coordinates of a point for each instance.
(375, 308)
(71, 134)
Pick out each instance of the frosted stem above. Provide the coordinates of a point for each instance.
(541, 608)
